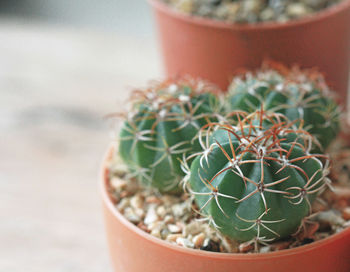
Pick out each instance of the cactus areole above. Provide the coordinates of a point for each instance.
(256, 181)
(295, 93)
(161, 127)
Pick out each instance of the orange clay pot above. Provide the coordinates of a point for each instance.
(133, 250)
(216, 50)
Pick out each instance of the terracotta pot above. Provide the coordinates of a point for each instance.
(133, 250)
(215, 50)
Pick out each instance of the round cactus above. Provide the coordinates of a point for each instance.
(256, 181)
(161, 126)
(301, 95)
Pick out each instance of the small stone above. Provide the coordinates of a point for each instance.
(180, 209)
(156, 225)
(168, 219)
(173, 88)
(346, 224)
(125, 202)
(296, 10)
(153, 200)
(131, 215)
(204, 10)
(227, 11)
(173, 237)
(346, 213)
(252, 6)
(140, 212)
(164, 233)
(184, 242)
(174, 228)
(198, 240)
(232, 11)
(118, 184)
(265, 249)
(156, 233)
(136, 201)
(161, 211)
(185, 6)
(267, 14)
(330, 218)
(151, 215)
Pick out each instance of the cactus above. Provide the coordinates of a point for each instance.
(256, 180)
(295, 93)
(161, 126)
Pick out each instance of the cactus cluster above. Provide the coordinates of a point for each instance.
(161, 126)
(299, 95)
(252, 161)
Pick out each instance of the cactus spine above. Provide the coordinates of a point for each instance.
(256, 180)
(301, 95)
(161, 127)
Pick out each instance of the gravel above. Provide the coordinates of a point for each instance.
(251, 11)
(173, 218)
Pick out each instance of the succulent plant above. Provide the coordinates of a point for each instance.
(162, 126)
(298, 94)
(256, 180)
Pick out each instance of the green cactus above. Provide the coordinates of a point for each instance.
(161, 127)
(297, 94)
(255, 181)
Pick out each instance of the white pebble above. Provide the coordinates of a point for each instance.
(118, 183)
(184, 242)
(161, 211)
(297, 10)
(136, 201)
(174, 228)
(179, 210)
(168, 219)
(151, 215)
(123, 204)
(265, 249)
(130, 214)
(156, 233)
(330, 217)
(173, 88)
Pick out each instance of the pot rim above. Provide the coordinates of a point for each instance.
(198, 20)
(103, 179)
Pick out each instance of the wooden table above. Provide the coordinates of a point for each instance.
(55, 86)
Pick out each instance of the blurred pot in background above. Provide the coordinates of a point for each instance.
(216, 50)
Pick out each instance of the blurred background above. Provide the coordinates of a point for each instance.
(63, 66)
